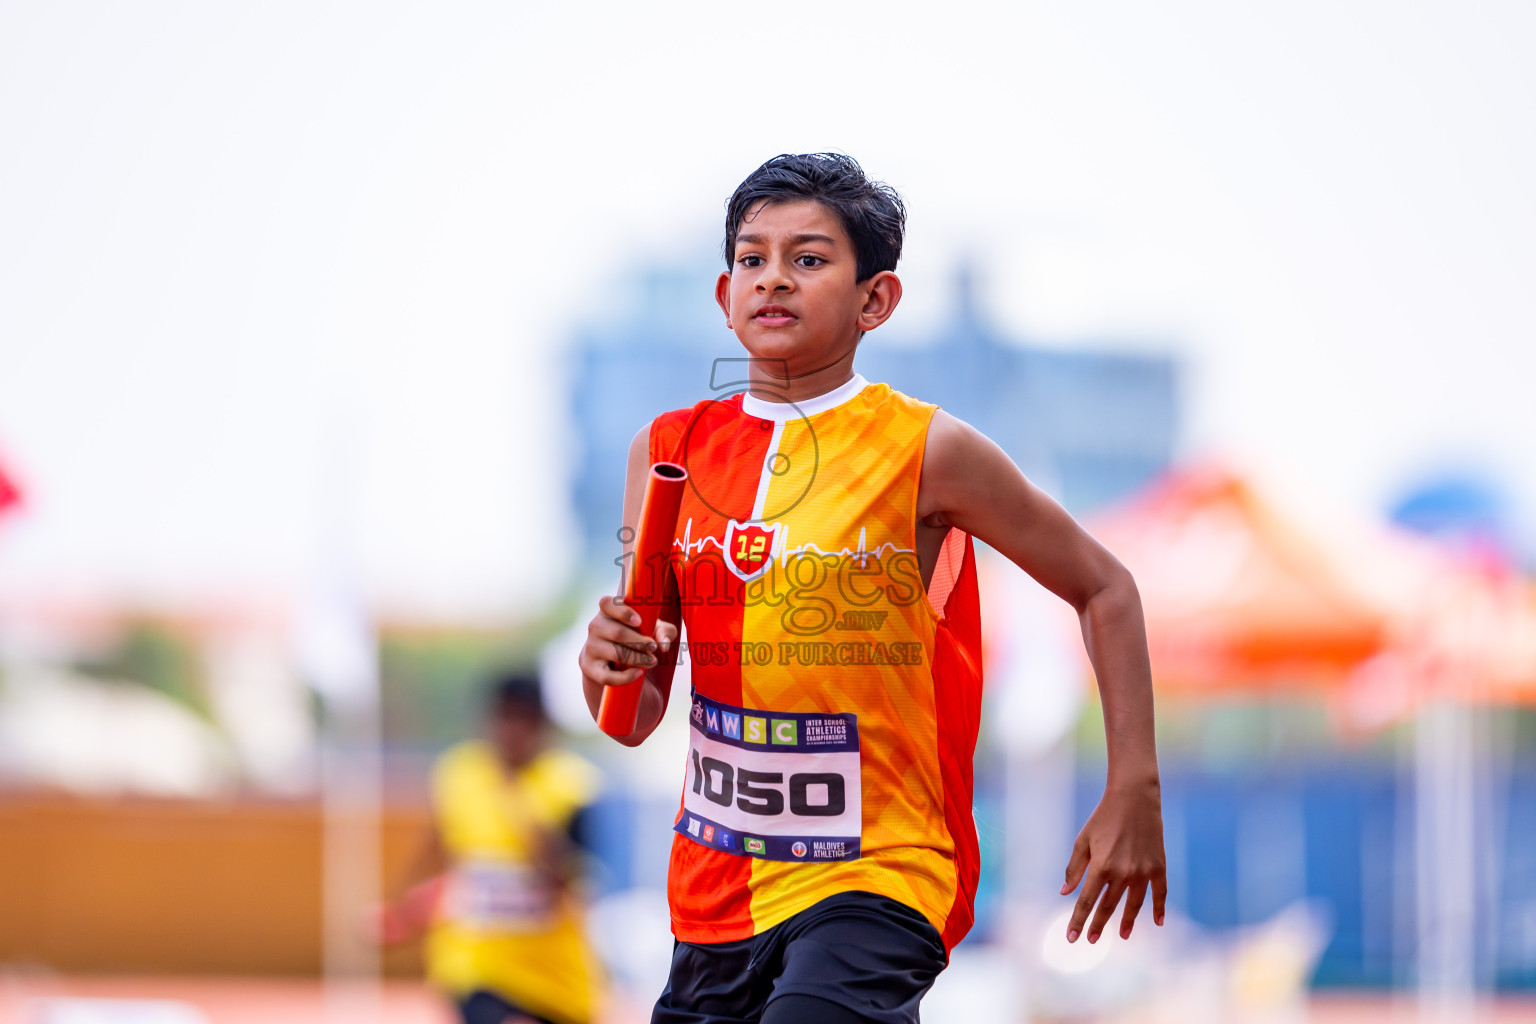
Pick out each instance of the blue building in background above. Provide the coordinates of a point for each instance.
(1088, 425)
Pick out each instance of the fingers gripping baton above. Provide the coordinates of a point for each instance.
(645, 582)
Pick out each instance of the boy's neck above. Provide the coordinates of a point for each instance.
(770, 387)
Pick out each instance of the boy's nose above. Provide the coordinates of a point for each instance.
(776, 279)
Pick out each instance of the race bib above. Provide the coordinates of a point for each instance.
(770, 784)
(498, 897)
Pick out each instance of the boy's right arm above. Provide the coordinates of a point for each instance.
(611, 636)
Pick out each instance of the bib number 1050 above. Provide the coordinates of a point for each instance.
(811, 794)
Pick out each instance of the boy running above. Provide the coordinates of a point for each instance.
(824, 860)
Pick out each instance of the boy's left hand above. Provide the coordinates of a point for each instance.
(1121, 851)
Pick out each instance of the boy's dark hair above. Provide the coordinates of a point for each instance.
(517, 693)
(871, 211)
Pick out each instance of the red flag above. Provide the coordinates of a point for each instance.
(10, 494)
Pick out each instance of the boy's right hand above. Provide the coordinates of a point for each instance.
(617, 653)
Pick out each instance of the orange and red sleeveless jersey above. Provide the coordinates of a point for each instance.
(835, 699)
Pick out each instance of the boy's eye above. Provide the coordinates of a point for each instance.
(750, 260)
(808, 260)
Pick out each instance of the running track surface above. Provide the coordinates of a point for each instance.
(25, 996)
(33, 998)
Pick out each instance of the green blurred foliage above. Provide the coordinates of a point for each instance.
(1522, 728)
(432, 679)
(156, 655)
(1233, 732)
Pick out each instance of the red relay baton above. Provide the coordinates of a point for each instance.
(644, 585)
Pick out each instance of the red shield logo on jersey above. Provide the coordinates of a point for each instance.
(749, 548)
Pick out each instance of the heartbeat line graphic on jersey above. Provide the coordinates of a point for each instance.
(694, 547)
(860, 553)
(781, 549)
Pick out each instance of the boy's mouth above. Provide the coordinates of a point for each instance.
(773, 316)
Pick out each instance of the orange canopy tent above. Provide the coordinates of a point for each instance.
(1242, 596)
(1236, 594)
(1471, 637)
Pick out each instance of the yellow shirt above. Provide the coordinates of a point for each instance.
(500, 927)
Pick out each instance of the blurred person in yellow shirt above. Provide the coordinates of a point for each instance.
(505, 939)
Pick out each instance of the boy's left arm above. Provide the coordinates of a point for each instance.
(968, 482)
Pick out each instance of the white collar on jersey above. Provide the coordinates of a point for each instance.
(780, 411)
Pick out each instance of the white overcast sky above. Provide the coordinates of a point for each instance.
(272, 273)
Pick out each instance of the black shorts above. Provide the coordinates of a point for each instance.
(855, 956)
(483, 1007)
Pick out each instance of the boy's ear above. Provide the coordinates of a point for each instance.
(880, 299)
(723, 296)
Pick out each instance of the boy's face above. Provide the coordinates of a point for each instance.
(793, 292)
